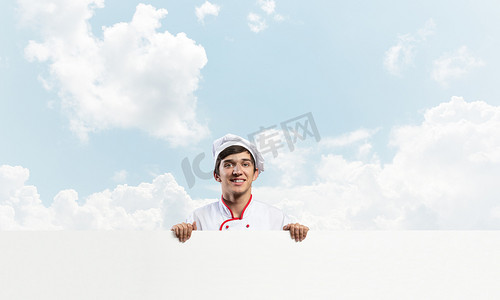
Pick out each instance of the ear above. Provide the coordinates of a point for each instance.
(255, 174)
(217, 177)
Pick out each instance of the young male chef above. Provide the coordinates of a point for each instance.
(237, 164)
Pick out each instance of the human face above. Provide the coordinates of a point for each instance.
(236, 174)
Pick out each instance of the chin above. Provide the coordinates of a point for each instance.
(239, 191)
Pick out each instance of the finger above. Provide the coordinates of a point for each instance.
(184, 232)
(301, 233)
(190, 229)
(177, 232)
(289, 227)
(194, 226)
(297, 232)
(292, 231)
(187, 231)
(181, 234)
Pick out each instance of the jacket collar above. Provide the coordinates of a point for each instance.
(227, 213)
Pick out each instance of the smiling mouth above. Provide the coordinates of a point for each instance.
(237, 180)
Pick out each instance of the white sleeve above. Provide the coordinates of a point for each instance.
(194, 217)
(286, 221)
(190, 218)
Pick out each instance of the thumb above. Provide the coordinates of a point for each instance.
(194, 225)
(286, 227)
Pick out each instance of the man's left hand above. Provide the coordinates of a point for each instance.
(297, 232)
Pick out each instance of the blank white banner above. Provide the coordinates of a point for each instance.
(250, 265)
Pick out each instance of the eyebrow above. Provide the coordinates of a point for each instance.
(232, 160)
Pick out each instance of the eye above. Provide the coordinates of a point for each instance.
(228, 165)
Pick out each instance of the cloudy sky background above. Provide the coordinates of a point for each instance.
(101, 102)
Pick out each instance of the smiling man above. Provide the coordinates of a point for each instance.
(237, 164)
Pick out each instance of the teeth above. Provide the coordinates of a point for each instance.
(238, 180)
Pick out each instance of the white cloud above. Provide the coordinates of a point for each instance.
(268, 6)
(354, 144)
(148, 206)
(281, 165)
(206, 9)
(256, 23)
(278, 18)
(401, 55)
(454, 65)
(120, 176)
(349, 138)
(443, 176)
(134, 77)
(20, 205)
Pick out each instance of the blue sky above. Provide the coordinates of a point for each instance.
(403, 94)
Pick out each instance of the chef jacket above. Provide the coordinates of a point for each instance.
(255, 216)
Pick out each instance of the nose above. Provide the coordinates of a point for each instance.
(236, 169)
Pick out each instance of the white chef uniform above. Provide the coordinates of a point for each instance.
(255, 216)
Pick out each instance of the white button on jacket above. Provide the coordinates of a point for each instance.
(255, 216)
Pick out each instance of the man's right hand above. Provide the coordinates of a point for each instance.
(183, 231)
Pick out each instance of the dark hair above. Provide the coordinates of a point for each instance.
(232, 150)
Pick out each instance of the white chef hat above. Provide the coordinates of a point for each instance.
(231, 140)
